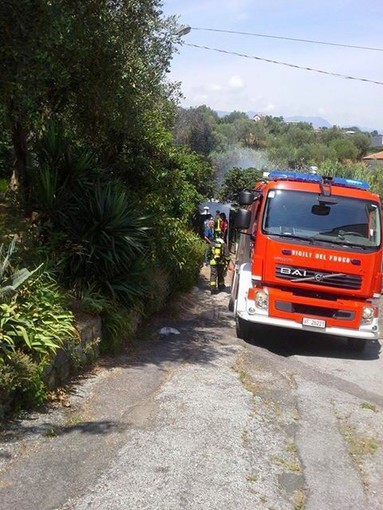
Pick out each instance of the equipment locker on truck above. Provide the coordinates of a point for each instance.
(309, 257)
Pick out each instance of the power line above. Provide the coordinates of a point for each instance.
(289, 39)
(284, 64)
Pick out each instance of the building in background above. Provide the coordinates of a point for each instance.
(374, 160)
(377, 141)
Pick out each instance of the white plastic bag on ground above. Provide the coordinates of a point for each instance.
(168, 331)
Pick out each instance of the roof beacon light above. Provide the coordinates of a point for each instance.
(287, 175)
(350, 183)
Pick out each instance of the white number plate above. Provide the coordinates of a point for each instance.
(314, 323)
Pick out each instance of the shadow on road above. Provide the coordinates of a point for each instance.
(289, 343)
(198, 316)
(18, 429)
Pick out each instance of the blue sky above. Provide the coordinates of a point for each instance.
(228, 82)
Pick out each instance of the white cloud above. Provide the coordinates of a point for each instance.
(214, 87)
(269, 108)
(236, 82)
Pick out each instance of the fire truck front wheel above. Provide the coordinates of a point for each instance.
(356, 344)
(245, 329)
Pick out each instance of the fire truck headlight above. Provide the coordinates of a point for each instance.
(262, 300)
(367, 315)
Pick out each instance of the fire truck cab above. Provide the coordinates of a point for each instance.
(309, 257)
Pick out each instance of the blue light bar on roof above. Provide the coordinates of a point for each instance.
(350, 183)
(286, 175)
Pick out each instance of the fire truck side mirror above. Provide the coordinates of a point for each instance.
(246, 197)
(242, 219)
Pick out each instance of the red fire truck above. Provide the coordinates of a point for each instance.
(309, 257)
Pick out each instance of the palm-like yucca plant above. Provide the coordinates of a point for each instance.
(107, 242)
(61, 170)
(97, 232)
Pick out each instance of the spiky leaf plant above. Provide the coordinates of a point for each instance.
(106, 243)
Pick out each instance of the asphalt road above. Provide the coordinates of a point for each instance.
(202, 420)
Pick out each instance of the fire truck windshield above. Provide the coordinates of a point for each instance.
(335, 219)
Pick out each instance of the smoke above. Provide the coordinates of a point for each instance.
(240, 157)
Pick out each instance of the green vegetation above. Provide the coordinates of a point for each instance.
(34, 324)
(94, 192)
(236, 146)
(358, 445)
(368, 405)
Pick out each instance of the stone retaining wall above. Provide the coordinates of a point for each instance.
(67, 361)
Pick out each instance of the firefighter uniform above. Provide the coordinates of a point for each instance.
(219, 257)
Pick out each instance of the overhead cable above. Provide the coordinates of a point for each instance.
(285, 64)
(289, 39)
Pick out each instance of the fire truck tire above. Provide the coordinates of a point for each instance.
(356, 344)
(231, 305)
(244, 329)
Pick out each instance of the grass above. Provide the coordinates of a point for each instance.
(245, 438)
(359, 444)
(293, 467)
(368, 405)
(51, 432)
(292, 448)
(299, 499)
(74, 419)
(244, 376)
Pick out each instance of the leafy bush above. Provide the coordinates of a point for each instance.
(117, 321)
(36, 321)
(33, 325)
(3, 186)
(236, 180)
(90, 226)
(60, 169)
(28, 322)
(21, 383)
(179, 252)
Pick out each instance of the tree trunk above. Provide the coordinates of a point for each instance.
(19, 138)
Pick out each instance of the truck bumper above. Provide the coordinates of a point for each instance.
(364, 332)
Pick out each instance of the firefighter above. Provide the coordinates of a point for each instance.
(219, 257)
(218, 220)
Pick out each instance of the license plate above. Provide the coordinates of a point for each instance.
(314, 323)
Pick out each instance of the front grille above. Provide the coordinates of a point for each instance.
(318, 311)
(304, 275)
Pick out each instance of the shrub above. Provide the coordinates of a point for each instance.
(117, 328)
(3, 186)
(21, 383)
(33, 325)
(117, 321)
(106, 243)
(179, 252)
(36, 321)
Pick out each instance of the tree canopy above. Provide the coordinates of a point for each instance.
(99, 66)
(235, 140)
